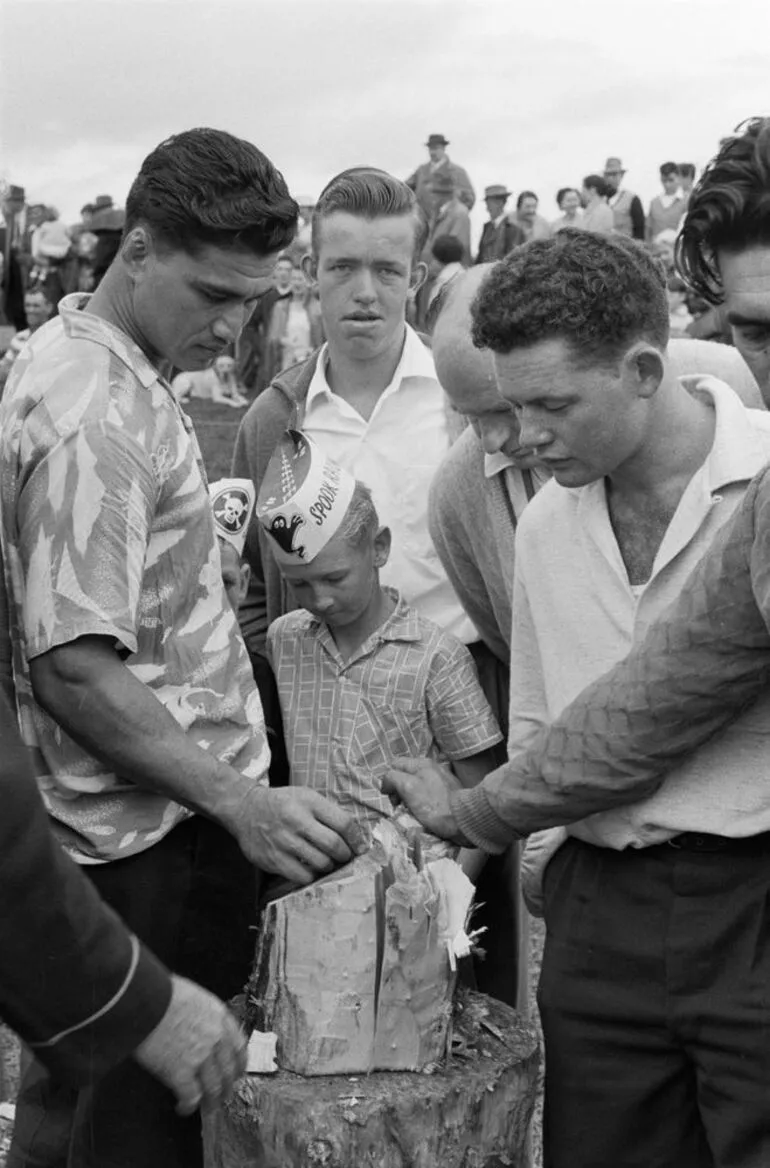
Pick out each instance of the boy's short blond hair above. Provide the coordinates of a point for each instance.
(361, 518)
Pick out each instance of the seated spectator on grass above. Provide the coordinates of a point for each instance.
(38, 309)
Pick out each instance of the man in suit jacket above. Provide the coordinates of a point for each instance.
(440, 166)
(500, 235)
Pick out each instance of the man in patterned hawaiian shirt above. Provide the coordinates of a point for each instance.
(134, 687)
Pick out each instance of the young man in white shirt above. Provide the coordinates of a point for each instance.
(369, 397)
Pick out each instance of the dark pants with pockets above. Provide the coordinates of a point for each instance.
(655, 1001)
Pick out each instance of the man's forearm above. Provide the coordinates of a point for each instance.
(134, 735)
(704, 662)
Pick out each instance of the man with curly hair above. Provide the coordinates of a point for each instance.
(648, 883)
(724, 247)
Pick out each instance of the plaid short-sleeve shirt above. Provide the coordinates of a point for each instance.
(107, 530)
(411, 691)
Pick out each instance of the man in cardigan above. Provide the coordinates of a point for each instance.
(626, 207)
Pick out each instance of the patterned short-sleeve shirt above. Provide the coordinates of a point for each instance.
(411, 691)
(107, 530)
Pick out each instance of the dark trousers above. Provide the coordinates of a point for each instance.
(655, 1001)
(191, 899)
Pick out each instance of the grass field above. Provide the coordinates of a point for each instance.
(216, 427)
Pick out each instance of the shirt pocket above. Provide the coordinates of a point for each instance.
(385, 732)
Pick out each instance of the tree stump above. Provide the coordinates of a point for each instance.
(472, 1112)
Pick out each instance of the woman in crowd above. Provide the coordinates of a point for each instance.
(568, 200)
(597, 215)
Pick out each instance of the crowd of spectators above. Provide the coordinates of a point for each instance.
(40, 255)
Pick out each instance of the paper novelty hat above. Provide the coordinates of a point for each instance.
(303, 498)
(232, 501)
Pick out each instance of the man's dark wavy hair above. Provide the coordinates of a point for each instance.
(598, 293)
(369, 193)
(205, 187)
(728, 209)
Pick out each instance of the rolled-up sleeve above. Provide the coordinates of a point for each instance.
(84, 518)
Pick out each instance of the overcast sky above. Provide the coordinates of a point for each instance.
(533, 94)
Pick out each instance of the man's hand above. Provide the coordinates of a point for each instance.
(425, 787)
(295, 832)
(197, 1049)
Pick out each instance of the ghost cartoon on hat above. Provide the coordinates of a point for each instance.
(232, 501)
(303, 498)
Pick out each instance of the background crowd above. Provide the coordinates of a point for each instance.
(43, 259)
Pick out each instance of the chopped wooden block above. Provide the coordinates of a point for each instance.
(353, 973)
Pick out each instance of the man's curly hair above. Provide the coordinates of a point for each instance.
(729, 207)
(598, 293)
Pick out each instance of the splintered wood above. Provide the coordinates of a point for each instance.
(356, 973)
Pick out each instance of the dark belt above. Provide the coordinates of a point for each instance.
(701, 841)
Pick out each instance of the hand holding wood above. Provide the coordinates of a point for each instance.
(296, 833)
(426, 787)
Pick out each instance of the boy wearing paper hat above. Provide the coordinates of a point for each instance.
(363, 679)
(232, 502)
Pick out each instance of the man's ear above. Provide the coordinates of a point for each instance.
(417, 278)
(310, 268)
(243, 585)
(645, 365)
(138, 251)
(382, 541)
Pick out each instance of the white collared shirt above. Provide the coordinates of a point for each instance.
(396, 453)
(576, 615)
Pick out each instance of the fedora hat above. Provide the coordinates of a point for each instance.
(496, 191)
(437, 140)
(101, 202)
(614, 163)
